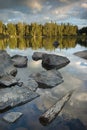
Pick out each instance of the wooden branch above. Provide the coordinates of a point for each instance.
(51, 114)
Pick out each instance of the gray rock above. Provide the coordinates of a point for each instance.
(11, 70)
(19, 61)
(82, 54)
(13, 96)
(37, 55)
(48, 79)
(6, 64)
(7, 80)
(31, 84)
(12, 116)
(51, 61)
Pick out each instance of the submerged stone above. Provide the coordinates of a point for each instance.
(19, 61)
(51, 61)
(31, 84)
(12, 116)
(48, 79)
(13, 96)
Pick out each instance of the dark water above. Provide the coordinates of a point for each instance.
(74, 114)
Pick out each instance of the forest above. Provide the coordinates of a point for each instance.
(36, 30)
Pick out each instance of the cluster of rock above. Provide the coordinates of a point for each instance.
(13, 92)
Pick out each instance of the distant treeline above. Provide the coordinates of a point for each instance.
(83, 31)
(34, 29)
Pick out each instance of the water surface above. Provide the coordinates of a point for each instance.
(74, 114)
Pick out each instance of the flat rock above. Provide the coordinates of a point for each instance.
(31, 84)
(13, 96)
(12, 116)
(6, 64)
(7, 80)
(19, 61)
(37, 56)
(82, 54)
(48, 79)
(51, 61)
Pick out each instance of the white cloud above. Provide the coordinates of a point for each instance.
(82, 97)
(42, 11)
(84, 5)
(34, 4)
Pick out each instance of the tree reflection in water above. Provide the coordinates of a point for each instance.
(39, 42)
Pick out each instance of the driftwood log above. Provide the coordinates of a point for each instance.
(51, 113)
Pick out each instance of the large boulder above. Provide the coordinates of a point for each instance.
(6, 64)
(51, 61)
(37, 56)
(47, 79)
(82, 54)
(19, 61)
(13, 96)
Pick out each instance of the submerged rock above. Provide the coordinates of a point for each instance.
(48, 79)
(7, 80)
(37, 55)
(19, 61)
(82, 54)
(12, 116)
(10, 97)
(31, 84)
(51, 61)
(6, 64)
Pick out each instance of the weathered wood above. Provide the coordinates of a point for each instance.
(51, 114)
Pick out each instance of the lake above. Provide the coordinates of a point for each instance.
(74, 114)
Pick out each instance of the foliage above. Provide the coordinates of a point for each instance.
(82, 31)
(36, 30)
(39, 42)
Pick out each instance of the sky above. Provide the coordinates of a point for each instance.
(42, 11)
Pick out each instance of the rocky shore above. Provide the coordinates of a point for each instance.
(14, 91)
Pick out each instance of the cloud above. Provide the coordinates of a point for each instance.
(82, 97)
(74, 11)
(84, 5)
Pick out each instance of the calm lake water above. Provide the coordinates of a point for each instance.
(74, 114)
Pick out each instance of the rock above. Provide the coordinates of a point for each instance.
(55, 44)
(82, 54)
(19, 61)
(12, 116)
(51, 61)
(11, 70)
(6, 64)
(13, 96)
(48, 79)
(37, 55)
(7, 80)
(31, 84)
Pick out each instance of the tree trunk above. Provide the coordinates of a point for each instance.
(51, 114)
